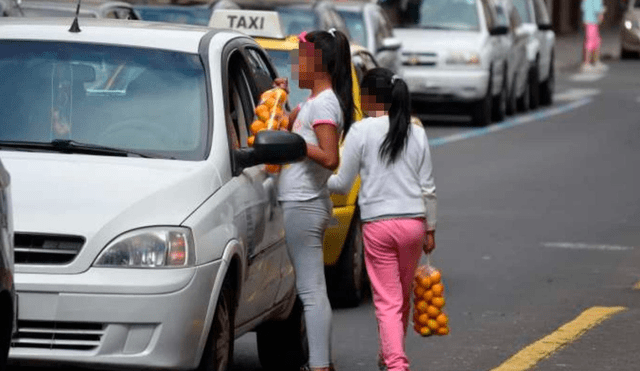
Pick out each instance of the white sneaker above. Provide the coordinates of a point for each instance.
(600, 66)
(586, 67)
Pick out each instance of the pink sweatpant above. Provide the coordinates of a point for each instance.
(592, 37)
(392, 250)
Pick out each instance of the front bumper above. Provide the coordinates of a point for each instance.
(446, 85)
(630, 39)
(131, 318)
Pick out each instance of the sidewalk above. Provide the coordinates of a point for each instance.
(569, 48)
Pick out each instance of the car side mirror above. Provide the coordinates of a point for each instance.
(272, 147)
(499, 31)
(545, 27)
(390, 43)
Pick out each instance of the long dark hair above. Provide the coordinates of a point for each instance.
(393, 91)
(336, 61)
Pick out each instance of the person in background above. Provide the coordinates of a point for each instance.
(592, 16)
(397, 203)
(324, 67)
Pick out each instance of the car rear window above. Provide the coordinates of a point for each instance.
(448, 15)
(135, 99)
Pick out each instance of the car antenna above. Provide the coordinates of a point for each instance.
(74, 26)
(17, 2)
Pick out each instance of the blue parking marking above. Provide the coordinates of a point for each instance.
(540, 115)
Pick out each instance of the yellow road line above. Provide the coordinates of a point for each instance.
(543, 348)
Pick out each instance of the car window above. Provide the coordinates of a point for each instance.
(283, 60)
(356, 26)
(241, 101)
(514, 18)
(295, 20)
(542, 15)
(44, 12)
(489, 16)
(260, 71)
(523, 9)
(384, 24)
(501, 16)
(448, 15)
(121, 13)
(129, 98)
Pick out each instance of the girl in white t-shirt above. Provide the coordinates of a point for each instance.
(397, 202)
(324, 67)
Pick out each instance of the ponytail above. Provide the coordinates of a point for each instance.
(392, 90)
(336, 60)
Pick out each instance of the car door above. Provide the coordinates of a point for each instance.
(546, 38)
(496, 56)
(262, 231)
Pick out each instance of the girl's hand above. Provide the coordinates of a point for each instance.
(430, 243)
(281, 82)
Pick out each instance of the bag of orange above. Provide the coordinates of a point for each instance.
(270, 116)
(429, 317)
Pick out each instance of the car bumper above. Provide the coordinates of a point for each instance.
(154, 319)
(443, 85)
(630, 39)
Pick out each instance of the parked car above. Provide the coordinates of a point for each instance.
(147, 231)
(184, 14)
(370, 27)
(514, 45)
(452, 55)
(108, 9)
(343, 246)
(536, 22)
(630, 31)
(8, 302)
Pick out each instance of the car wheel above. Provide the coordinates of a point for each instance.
(534, 88)
(499, 109)
(283, 345)
(6, 329)
(218, 351)
(348, 279)
(547, 88)
(481, 113)
(523, 100)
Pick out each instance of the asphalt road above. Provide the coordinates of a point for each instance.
(539, 221)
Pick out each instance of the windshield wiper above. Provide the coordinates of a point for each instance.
(72, 146)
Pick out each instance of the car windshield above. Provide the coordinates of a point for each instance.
(142, 100)
(356, 27)
(296, 20)
(197, 15)
(283, 61)
(522, 6)
(447, 15)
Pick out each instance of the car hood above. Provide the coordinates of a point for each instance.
(100, 197)
(424, 40)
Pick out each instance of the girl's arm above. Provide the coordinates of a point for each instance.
(428, 187)
(326, 152)
(349, 165)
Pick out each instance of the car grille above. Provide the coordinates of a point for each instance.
(58, 335)
(31, 248)
(429, 59)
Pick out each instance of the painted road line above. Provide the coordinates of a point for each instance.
(587, 76)
(575, 94)
(543, 348)
(542, 114)
(584, 246)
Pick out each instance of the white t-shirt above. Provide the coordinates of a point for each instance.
(306, 180)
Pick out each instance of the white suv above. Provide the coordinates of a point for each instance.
(452, 54)
(147, 232)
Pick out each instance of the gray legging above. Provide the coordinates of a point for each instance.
(305, 223)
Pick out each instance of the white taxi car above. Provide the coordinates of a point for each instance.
(147, 232)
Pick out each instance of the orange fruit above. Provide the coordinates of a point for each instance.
(432, 324)
(257, 126)
(438, 289)
(435, 276)
(250, 140)
(418, 291)
(425, 282)
(432, 311)
(437, 301)
(270, 168)
(442, 320)
(272, 124)
(280, 95)
(270, 102)
(262, 112)
(284, 124)
(442, 330)
(421, 306)
(423, 319)
(425, 331)
(428, 295)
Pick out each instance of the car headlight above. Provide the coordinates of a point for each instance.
(463, 57)
(150, 248)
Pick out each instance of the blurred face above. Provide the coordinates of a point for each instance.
(307, 65)
(370, 105)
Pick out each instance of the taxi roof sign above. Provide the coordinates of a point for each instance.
(255, 23)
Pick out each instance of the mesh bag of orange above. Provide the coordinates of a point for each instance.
(429, 317)
(270, 115)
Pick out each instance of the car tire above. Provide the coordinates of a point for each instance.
(499, 109)
(481, 112)
(218, 351)
(512, 99)
(548, 86)
(523, 100)
(6, 329)
(534, 87)
(348, 278)
(283, 345)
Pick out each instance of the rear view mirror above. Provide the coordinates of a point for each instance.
(390, 43)
(545, 27)
(499, 31)
(273, 147)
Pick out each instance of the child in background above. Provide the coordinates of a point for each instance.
(324, 67)
(592, 16)
(397, 203)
